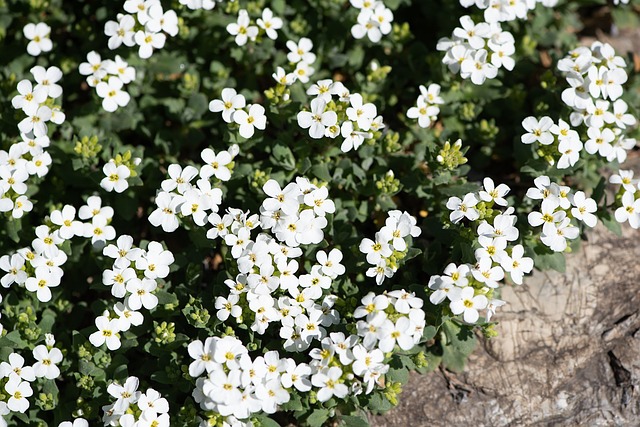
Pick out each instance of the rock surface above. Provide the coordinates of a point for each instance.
(568, 351)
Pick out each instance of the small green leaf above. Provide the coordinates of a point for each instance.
(355, 421)
(321, 171)
(318, 417)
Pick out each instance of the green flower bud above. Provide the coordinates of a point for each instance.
(164, 333)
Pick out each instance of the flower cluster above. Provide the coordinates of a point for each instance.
(469, 288)
(390, 245)
(595, 75)
(477, 51)
(628, 198)
(39, 36)
(232, 105)
(28, 157)
(133, 408)
(244, 31)
(233, 384)
(374, 20)
(145, 27)
(39, 269)
(200, 4)
(426, 109)
(179, 198)
(108, 77)
(134, 276)
(503, 10)
(269, 287)
(350, 117)
(557, 209)
(301, 55)
(16, 377)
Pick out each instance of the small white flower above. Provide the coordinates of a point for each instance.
(115, 177)
(269, 23)
(249, 121)
(39, 36)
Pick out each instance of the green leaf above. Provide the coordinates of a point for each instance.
(14, 226)
(355, 421)
(283, 156)
(165, 297)
(610, 222)
(550, 261)
(321, 171)
(266, 421)
(458, 344)
(429, 332)
(318, 417)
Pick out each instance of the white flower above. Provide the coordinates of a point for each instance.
(148, 42)
(625, 178)
(228, 307)
(629, 211)
(18, 392)
(254, 119)
(121, 69)
(303, 71)
(242, 30)
(36, 121)
(464, 208)
(361, 113)
(69, 226)
(328, 380)
(317, 120)
(115, 177)
(202, 353)
(493, 193)
(476, 67)
(165, 214)
(570, 149)
(141, 295)
(375, 250)
(125, 394)
(367, 26)
(179, 178)
(159, 20)
(318, 200)
(40, 284)
(230, 102)
(485, 272)
(47, 79)
(269, 23)
(599, 141)
(425, 113)
(555, 235)
(537, 130)
(94, 208)
(39, 36)
(29, 98)
(112, 94)
(13, 265)
(468, 305)
(301, 51)
(13, 180)
(584, 208)
(15, 368)
(120, 32)
(517, 265)
(78, 422)
(99, 231)
(46, 361)
(473, 34)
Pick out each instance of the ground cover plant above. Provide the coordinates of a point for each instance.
(267, 212)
